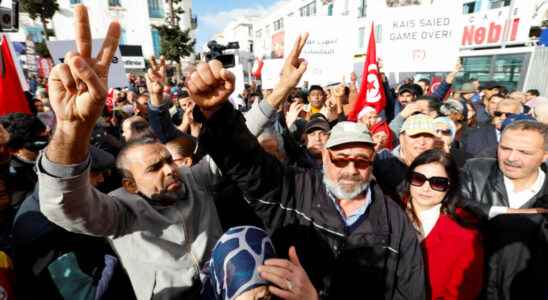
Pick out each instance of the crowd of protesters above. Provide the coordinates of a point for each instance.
(173, 189)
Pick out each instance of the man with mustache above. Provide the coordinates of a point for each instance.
(164, 227)
(509, 196)
(349, 237)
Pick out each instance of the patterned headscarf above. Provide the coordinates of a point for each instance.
(234, 262)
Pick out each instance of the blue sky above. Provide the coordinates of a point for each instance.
(214, 15)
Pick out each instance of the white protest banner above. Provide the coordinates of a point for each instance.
(423, 38)
(117, 74)
(239, 83)
(329, 49)
(271, 73)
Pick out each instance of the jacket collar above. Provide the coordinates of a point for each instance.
(497, 179)
(325, 214)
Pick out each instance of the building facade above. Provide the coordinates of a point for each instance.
(137, 17)
(496, 43)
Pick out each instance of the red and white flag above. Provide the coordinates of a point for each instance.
(371, 89)
(12, 97)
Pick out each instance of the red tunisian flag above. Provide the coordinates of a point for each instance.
(371, 89)
(12, 97)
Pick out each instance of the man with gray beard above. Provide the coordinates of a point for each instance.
(352, 241)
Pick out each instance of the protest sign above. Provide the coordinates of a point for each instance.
(238, 71)
(329, 49)
(117, 74)
(423, 38)
(271, 73)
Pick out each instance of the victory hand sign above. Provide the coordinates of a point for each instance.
(78, 89)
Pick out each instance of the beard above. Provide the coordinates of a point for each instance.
(166, 198)
(346, 192)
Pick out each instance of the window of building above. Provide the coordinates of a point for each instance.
(361, 37)
(330, 9)
(123, 37)
(114, 3)
(308, 10)
(75, 2)
(279, 24)
(35, 34)
(498, 3)
(258, 33)
(156, 42)
(155, 9)
(469, 8)
(361, 8)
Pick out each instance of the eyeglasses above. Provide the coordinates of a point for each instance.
(440, 184)
(342, 162)
(500, 113)
(446, 132)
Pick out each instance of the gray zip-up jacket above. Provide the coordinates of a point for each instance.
(162, 249)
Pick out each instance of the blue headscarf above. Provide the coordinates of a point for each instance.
(234, 262)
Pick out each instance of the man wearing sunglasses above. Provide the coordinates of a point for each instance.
(510, 196)
(483, 141)
(348, 236)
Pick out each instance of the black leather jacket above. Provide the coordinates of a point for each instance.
(516, 244)
(482, 186)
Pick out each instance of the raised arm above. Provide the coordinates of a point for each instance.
(77, 93)
(226, 138)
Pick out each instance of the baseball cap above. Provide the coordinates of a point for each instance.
(412, 88)
(417, 124)
(100, 159)
(317, 123)
(517, 117)
(349, 132)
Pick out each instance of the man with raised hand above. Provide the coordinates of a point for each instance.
(165, 225)
(350, 239)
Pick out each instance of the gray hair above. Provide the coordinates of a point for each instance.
(529, 125)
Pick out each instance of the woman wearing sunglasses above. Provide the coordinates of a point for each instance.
(453, 254)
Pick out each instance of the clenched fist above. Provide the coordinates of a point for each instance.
(210, 85)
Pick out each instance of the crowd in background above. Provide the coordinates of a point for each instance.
(451, 187)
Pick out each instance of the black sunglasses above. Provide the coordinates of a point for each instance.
(440, 184)
(500, 113)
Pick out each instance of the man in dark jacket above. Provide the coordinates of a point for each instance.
(483, 141)
(350, 238)
(507, 195)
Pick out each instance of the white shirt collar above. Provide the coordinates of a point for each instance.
(518, 199)
(429, 218)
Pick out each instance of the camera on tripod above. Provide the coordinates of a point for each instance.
(216, 51)
(9, 17)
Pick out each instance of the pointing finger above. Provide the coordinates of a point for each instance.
(84, 72)
(110, 45)
(83, 34)
(153, 62)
